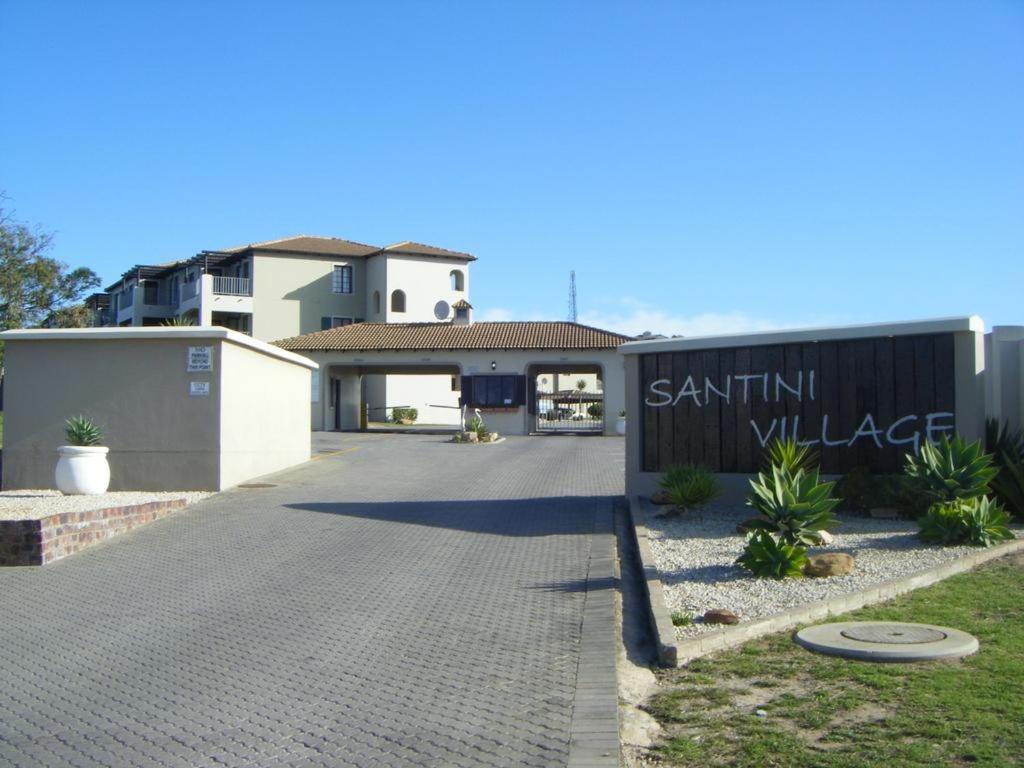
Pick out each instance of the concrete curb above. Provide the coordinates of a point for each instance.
(594, 734)
(673, 652)
(661, 620)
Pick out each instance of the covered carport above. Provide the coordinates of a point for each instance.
(495, 366)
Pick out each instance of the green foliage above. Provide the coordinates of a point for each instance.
(766, 557)
(595, 411)
(689, 486)
(952, 469)
(1007, 449)
(404, 414)
(82, 431)
(622, 413)
(790, 456)
(862, 491)
(179, 320)
(476, 424)
(36, 290)
(978, 521)
(680, 619)
(793, 507)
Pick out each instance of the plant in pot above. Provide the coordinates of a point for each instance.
(620, 425)
(82, 468)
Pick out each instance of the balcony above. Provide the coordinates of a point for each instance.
(232, 286)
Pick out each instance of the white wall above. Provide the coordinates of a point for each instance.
(425, 280)
(292, 293)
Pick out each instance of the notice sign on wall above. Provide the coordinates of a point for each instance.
(200, 359)
(859, 402)
(199, 388)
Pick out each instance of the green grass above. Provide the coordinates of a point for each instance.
(838, 713)
(680, 619)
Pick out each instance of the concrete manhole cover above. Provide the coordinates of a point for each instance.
(887, 633)
(887, 641)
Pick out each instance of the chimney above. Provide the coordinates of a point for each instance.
(463, 313)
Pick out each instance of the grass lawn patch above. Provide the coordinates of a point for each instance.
(773, 703)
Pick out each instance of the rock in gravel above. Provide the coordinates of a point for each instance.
(825, 538)
(660, 497)
(720, 616)
(831, 564)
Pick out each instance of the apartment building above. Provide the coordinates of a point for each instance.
(283, 288)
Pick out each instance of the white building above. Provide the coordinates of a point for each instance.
(284, 288)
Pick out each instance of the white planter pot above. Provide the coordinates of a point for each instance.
(620, 426)
(82, 470)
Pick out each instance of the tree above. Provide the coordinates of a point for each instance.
(35, 289)
(581, 386)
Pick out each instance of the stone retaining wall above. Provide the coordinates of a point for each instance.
(38, 542)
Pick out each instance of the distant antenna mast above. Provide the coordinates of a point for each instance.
(572, 296)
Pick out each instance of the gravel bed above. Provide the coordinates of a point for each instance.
(32, 504)
(696, 555)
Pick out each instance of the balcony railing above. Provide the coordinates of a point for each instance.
(232, 286)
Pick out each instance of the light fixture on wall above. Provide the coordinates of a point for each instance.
(494, 365)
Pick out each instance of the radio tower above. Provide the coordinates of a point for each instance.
(572, 296)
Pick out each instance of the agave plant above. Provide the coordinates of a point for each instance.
(979, 521)
(794, 507)
(985, 521)
(952, 469)
(790, 456)
(82, 431)
(765, 557)
(689, 486)
(1007, 449)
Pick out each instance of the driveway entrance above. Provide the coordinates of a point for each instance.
(398, 601)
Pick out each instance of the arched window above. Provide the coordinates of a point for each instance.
(376, 302)
(398, 301)
(458, 280)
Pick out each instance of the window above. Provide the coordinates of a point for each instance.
(376, 302)
(458, 280)
(150, 290)
(494, 391)
(341, 280)
(398, 301)
(326, 323)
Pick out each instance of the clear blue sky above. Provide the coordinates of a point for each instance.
(703, 166)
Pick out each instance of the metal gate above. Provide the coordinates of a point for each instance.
(569, 411)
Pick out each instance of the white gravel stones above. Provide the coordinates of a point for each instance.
(696, 555)
(33, 504)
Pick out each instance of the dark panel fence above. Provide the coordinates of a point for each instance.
(860, 402)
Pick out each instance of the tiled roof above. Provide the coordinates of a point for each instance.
(462, 304)
(410, 248)
(497, 335)
(329, 246)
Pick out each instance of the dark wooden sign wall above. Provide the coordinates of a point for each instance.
(860, 402)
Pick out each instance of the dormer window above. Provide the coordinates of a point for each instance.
(458, 280)
(398, 301)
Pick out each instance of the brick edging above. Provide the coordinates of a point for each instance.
(660, 618)
(673, 652)
(594, 733)
(42, 540)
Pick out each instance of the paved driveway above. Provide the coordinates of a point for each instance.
(404, 602)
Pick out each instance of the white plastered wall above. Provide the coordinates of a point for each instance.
(292, 293)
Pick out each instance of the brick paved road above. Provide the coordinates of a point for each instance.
(407, 603)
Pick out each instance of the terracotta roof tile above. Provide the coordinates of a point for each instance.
(496, 335)
(419, 249)
(329, 246)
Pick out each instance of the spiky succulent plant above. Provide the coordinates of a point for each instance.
(795, 507)
(82, 431)
(951, 469)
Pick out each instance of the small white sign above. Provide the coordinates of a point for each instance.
(198, 388)
(200, 359)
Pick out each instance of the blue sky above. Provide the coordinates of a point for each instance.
(703, 166)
